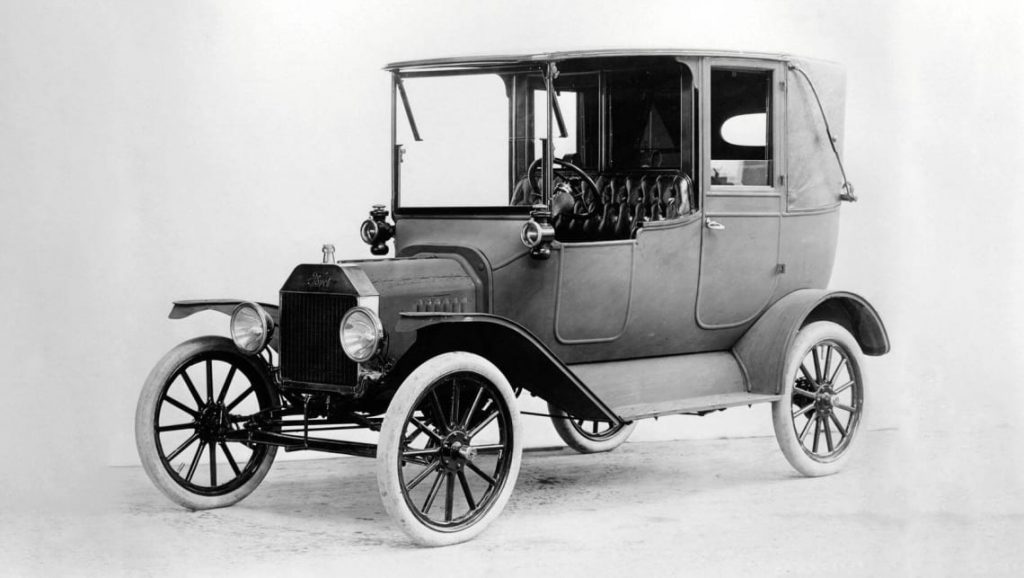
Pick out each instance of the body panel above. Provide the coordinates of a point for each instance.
(667, 382)
(763, 349)
(518, 354)
(184, 308)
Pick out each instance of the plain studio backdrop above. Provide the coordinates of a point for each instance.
(152, 151)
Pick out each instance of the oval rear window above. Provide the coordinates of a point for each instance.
(746, 130)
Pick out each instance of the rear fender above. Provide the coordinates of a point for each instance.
(520, 356)
(763, 348)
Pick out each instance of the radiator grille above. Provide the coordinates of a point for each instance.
(310, 349)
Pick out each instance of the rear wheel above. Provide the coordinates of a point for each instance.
(201, 390)
(588, 436)
(822, 402)
(450, 448)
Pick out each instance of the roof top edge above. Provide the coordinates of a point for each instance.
(512, 59)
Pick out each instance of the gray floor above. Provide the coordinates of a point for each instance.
(907, 505)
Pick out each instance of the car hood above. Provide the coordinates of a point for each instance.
(395, 286)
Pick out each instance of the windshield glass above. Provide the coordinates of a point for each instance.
(482, 133)
(463, 157)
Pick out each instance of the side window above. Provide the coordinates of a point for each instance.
(563, 147)
(645, 119)
(578, 101)
(741, 128)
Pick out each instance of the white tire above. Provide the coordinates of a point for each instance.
(437, 432)
(589, 436)
(822, 404)
(181, 414)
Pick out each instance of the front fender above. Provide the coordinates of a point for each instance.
(763, 348)
(520, 356)
(183, 309)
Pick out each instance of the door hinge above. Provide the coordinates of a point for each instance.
(782, 85)
(780, 269)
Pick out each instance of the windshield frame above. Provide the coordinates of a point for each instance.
(397, 75)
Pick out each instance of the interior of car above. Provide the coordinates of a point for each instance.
(623, 149)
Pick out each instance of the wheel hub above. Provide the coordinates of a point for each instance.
(212, 422)
(456, 451)
(824, 398)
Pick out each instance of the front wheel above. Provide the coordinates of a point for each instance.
(201, 390)
(450, 448)
(588, 436)
(822, 402)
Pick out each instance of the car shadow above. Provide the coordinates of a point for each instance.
(314, 503)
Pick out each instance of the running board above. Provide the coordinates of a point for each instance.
(641, 388)
(691, 405)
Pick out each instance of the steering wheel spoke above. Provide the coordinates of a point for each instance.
(579, 196)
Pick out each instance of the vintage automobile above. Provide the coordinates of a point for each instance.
(624, 234)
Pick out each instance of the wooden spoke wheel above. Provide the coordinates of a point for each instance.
(823, 399)
(450, 449)
(589, 436)
(200, 391)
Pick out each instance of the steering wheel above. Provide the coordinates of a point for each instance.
(578, 196)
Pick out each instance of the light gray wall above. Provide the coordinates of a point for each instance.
(152, 151)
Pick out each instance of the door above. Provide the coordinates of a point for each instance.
(743, 186)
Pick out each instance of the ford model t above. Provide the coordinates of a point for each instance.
(625, 235)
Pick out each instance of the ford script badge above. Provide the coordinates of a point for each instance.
(318, 280)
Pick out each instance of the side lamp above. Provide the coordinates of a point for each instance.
(376, 231)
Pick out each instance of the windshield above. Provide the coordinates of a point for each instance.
(476, 139)
(463, 157)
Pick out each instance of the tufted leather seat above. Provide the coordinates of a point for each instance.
(619, 211)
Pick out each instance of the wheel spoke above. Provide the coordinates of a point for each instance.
(412, 437)
(839, 367)
(416, 453)
(181, 406)
(213, 465)
(453, 419)
(472, 408)
(195, 461)
(595, 427)
(182, 447)
(466, 491)
(828, 362)
(843, 407)
(817, 432)
(227, 384)
(191, 388)
(425, 429)
(449, 496)
(483, 423)
(843, 387)
(433, 493)
(803, 392)
(839, 426)
(209, 381)
(239, 399)
(422, 476)
(441, 419)
(176, 427)
(807, 428)
(231, 459)
(489, 447)
(807, 374)
(803, 410)
(490, 481)
(828, 436)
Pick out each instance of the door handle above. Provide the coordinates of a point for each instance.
(714, 225)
